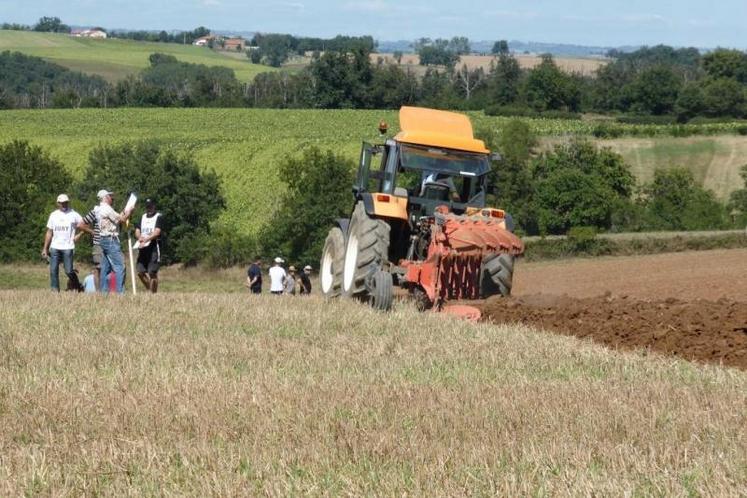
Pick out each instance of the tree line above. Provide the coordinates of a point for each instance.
(652, 85)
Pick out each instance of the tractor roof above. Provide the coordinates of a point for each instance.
(434, 128)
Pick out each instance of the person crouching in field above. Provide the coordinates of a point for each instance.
(305, 281)
(148, 235)
(289, 284)
(59, 242)
(111, 250)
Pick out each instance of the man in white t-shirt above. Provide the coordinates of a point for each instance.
(59, 242)
(277, 277)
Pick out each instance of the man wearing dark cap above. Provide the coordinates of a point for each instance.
(148, 235)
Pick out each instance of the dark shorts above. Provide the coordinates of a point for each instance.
(149, 260)
(96, 255)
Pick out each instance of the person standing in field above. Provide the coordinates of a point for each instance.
(254, 276)
(111, 250)
(148, 235)
(91, 225)
(289, 285)
(305, 281)
(59, 242)
(277, 277)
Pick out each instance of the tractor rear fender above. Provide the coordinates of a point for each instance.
(380, 205)
(342, 224)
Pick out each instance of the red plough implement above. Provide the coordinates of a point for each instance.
(454, 266)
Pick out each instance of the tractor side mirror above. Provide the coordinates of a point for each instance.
(496, 156)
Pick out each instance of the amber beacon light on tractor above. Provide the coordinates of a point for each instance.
(420, 221)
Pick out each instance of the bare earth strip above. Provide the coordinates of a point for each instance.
(687, 305)
(687, 275)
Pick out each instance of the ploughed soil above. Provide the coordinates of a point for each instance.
(691, 305)
(707, 331)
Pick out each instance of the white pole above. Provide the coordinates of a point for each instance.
(132, 264)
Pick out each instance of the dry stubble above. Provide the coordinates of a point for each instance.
(229, 394)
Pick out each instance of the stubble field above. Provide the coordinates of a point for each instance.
(218, 392)
(230, 394)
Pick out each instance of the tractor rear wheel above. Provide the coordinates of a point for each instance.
(497, 275)
(366, 249)
(330, 267)
(381, 288)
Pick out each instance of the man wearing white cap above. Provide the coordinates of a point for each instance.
(111, 250)
(59, 242)
(277, 277)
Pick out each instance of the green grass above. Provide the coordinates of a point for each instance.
(115, 59)
(713, 161)
(244, 146)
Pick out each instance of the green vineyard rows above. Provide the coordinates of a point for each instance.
(244, 146)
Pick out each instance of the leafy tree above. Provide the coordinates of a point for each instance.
(500, 48)
(578, 184)
(318, 191)
(690, 101)
(548, 88)
(673, 201)
(723, 63)
(51, 25)
(30, 180)
(738, 198)
(273, 48)
(459, 45)
(505, 79)
(31, 82)
(655, 90)
(190, 199)
(435, 53)
(511, 175)
(723, 97)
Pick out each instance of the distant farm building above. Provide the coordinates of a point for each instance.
(203, 41)
(237, 44)
(88, 33)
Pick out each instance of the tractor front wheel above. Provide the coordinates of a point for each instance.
(381, 290)
(330, 267)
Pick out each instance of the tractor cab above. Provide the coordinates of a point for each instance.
(426, 176)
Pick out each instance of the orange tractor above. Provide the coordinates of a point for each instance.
(420, 221)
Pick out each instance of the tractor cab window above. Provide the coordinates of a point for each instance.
(442, 175)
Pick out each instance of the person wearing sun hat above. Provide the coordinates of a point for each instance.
(305, 281)
(59, 242)
(289, 285)
(277, 277)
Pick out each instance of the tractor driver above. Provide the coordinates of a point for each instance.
(440, 180)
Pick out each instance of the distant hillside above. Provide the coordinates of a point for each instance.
(520, 47)
(116, 59)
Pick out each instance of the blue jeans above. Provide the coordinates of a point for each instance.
(55, 255)
(112, 260)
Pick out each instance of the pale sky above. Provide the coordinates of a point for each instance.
(584, 22)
